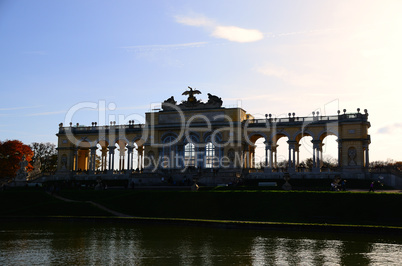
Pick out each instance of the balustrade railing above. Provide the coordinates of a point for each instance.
(113, 127)
(308, 118)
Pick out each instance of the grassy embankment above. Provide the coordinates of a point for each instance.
(271, 206)
(34, 202)
(352, 208)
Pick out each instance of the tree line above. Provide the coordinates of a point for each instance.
(41, 158)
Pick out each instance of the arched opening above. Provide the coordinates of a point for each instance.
(304, 150)
(259, 153)
(122, 154)
(256, 152)
(330, 153)
(281, 152)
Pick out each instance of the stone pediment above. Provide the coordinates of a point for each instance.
(192, 102)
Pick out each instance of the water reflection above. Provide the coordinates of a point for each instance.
(129, 244)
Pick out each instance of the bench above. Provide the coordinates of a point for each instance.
(267, 184)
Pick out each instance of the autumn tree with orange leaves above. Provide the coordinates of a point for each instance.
(11, 153)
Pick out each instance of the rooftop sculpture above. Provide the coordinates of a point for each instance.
(192, 102)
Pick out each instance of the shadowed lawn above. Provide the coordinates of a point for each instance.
(271, 206)
(35, 202)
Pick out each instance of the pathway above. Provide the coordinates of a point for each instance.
(115, 213)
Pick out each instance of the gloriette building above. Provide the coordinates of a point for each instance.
(214, 144)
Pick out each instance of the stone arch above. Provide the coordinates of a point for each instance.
(82, 143)
(275, 136)
(191, 137)
(168, 134)
(256, 150)
(301, 134)
(254, 136)
(102, 139)
(121, 139)
(137, 140)
(281, 153)
(327, 132)
(303, 144)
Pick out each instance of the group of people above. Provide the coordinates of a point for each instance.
(372, 185)
(338, 185)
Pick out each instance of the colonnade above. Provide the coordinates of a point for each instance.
(85, 158)
(293, 158)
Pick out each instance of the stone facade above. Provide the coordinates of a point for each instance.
(196, 135)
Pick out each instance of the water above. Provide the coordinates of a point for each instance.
(90, 243)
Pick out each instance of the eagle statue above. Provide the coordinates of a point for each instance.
(191, 93)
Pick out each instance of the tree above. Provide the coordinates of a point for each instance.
(11, 153)
(98, 162)
(329, 162)
(46, 153)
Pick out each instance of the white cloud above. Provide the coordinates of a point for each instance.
(236, 34)
(390, 129)
(194, 21)
(161, 47)
(230, 33)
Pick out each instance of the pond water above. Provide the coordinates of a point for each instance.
(90, 243)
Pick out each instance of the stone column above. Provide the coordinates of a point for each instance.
(321, 156)
(76, 159)
(111, 158)
(130, 157)
(270, 156)
(92, 163)
(292, 155)
(140, 152)
(252, 158)
(86, 160)
(367, 157)
(104, 155)
(316, 155)
(122, 151)
(138, 159)
(266, 154)
(339, 153)
(366, 153)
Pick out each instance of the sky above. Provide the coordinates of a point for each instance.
(116, 59)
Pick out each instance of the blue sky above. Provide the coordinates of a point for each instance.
(273, 56)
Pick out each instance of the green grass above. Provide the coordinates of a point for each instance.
(32, 202)
(344, 208)
(269, 206)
